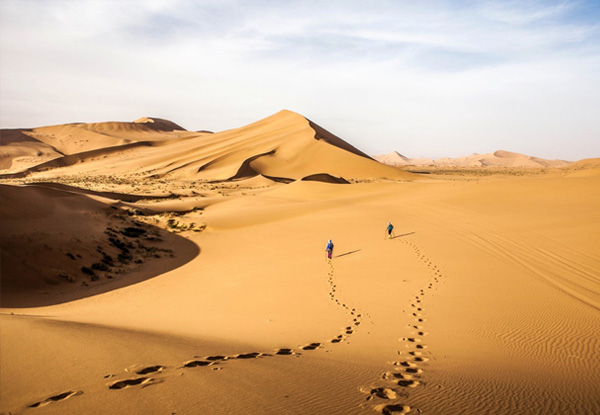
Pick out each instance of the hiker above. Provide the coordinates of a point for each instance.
(329, 249)
(390, 229)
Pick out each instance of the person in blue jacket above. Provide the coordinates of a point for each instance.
(329, 249)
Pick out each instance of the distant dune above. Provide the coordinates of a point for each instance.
(498, 158)
(24, 148)
(396, 159)
(19, 149)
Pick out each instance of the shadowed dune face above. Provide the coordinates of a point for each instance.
(19, 148)
(25, 148)
(59, 246)
(325, 178)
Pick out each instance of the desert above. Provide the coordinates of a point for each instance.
(148, 269)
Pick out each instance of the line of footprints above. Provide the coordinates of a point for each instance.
(144, 376)
(407, 373)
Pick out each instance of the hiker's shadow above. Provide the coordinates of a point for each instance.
(347, 253)
(404, 234)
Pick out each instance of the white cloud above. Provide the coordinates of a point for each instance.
(442, 78)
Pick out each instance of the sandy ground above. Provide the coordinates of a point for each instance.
(485, 301)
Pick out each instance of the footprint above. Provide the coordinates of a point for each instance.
(311, 346)
(197, 363)
(414, 370)
(408, 383)
(150, 369)
(393, 409)
(56, 398)
(121, 384)
(384, 393)
(253, 355)
(403, 376)
(216, 358)
(285, 352)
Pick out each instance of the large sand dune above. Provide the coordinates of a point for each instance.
(284, 147)
(485, 301)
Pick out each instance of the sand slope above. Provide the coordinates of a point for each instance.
(59, 244)
(19, 150)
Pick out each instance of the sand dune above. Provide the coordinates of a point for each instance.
(210, 291)
(498, 158)
(59, 244)
(396, 159)
(20, 150)
(24, 148)
(284, 147)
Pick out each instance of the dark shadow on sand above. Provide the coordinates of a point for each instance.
(347, 253)
(39, 269)
(404, 234)
(184, 251)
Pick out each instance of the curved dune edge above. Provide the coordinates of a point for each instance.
(58, 245)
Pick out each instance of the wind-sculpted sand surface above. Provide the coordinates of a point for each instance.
(139, 293)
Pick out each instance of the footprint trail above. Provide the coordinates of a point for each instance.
(393, 389)
(156, 373)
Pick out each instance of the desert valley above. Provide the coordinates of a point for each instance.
(147, 269)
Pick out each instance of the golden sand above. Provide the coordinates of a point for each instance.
(149, 270)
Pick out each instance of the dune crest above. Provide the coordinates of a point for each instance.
(159, 124)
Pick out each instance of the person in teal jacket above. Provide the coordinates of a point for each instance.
(390, 229)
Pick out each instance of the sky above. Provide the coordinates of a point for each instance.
(427, 78)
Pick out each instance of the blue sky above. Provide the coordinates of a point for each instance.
(425, 78)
